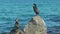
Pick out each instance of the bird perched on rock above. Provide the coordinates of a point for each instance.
(16, 29)
(16, 24)
(36, 25)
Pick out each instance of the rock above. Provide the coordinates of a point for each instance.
(36, 24)
(17, 32)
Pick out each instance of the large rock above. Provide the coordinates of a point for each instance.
(36, 26)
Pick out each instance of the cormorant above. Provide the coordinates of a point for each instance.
(16, 29)
(35, 9)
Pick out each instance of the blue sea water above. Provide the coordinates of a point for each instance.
(23, 10)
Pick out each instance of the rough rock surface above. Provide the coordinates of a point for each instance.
(36, 26)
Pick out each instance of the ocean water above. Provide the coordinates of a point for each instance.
(23, 10)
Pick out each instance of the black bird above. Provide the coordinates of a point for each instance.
(16, 29)
(17, 24)
(35, 9)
